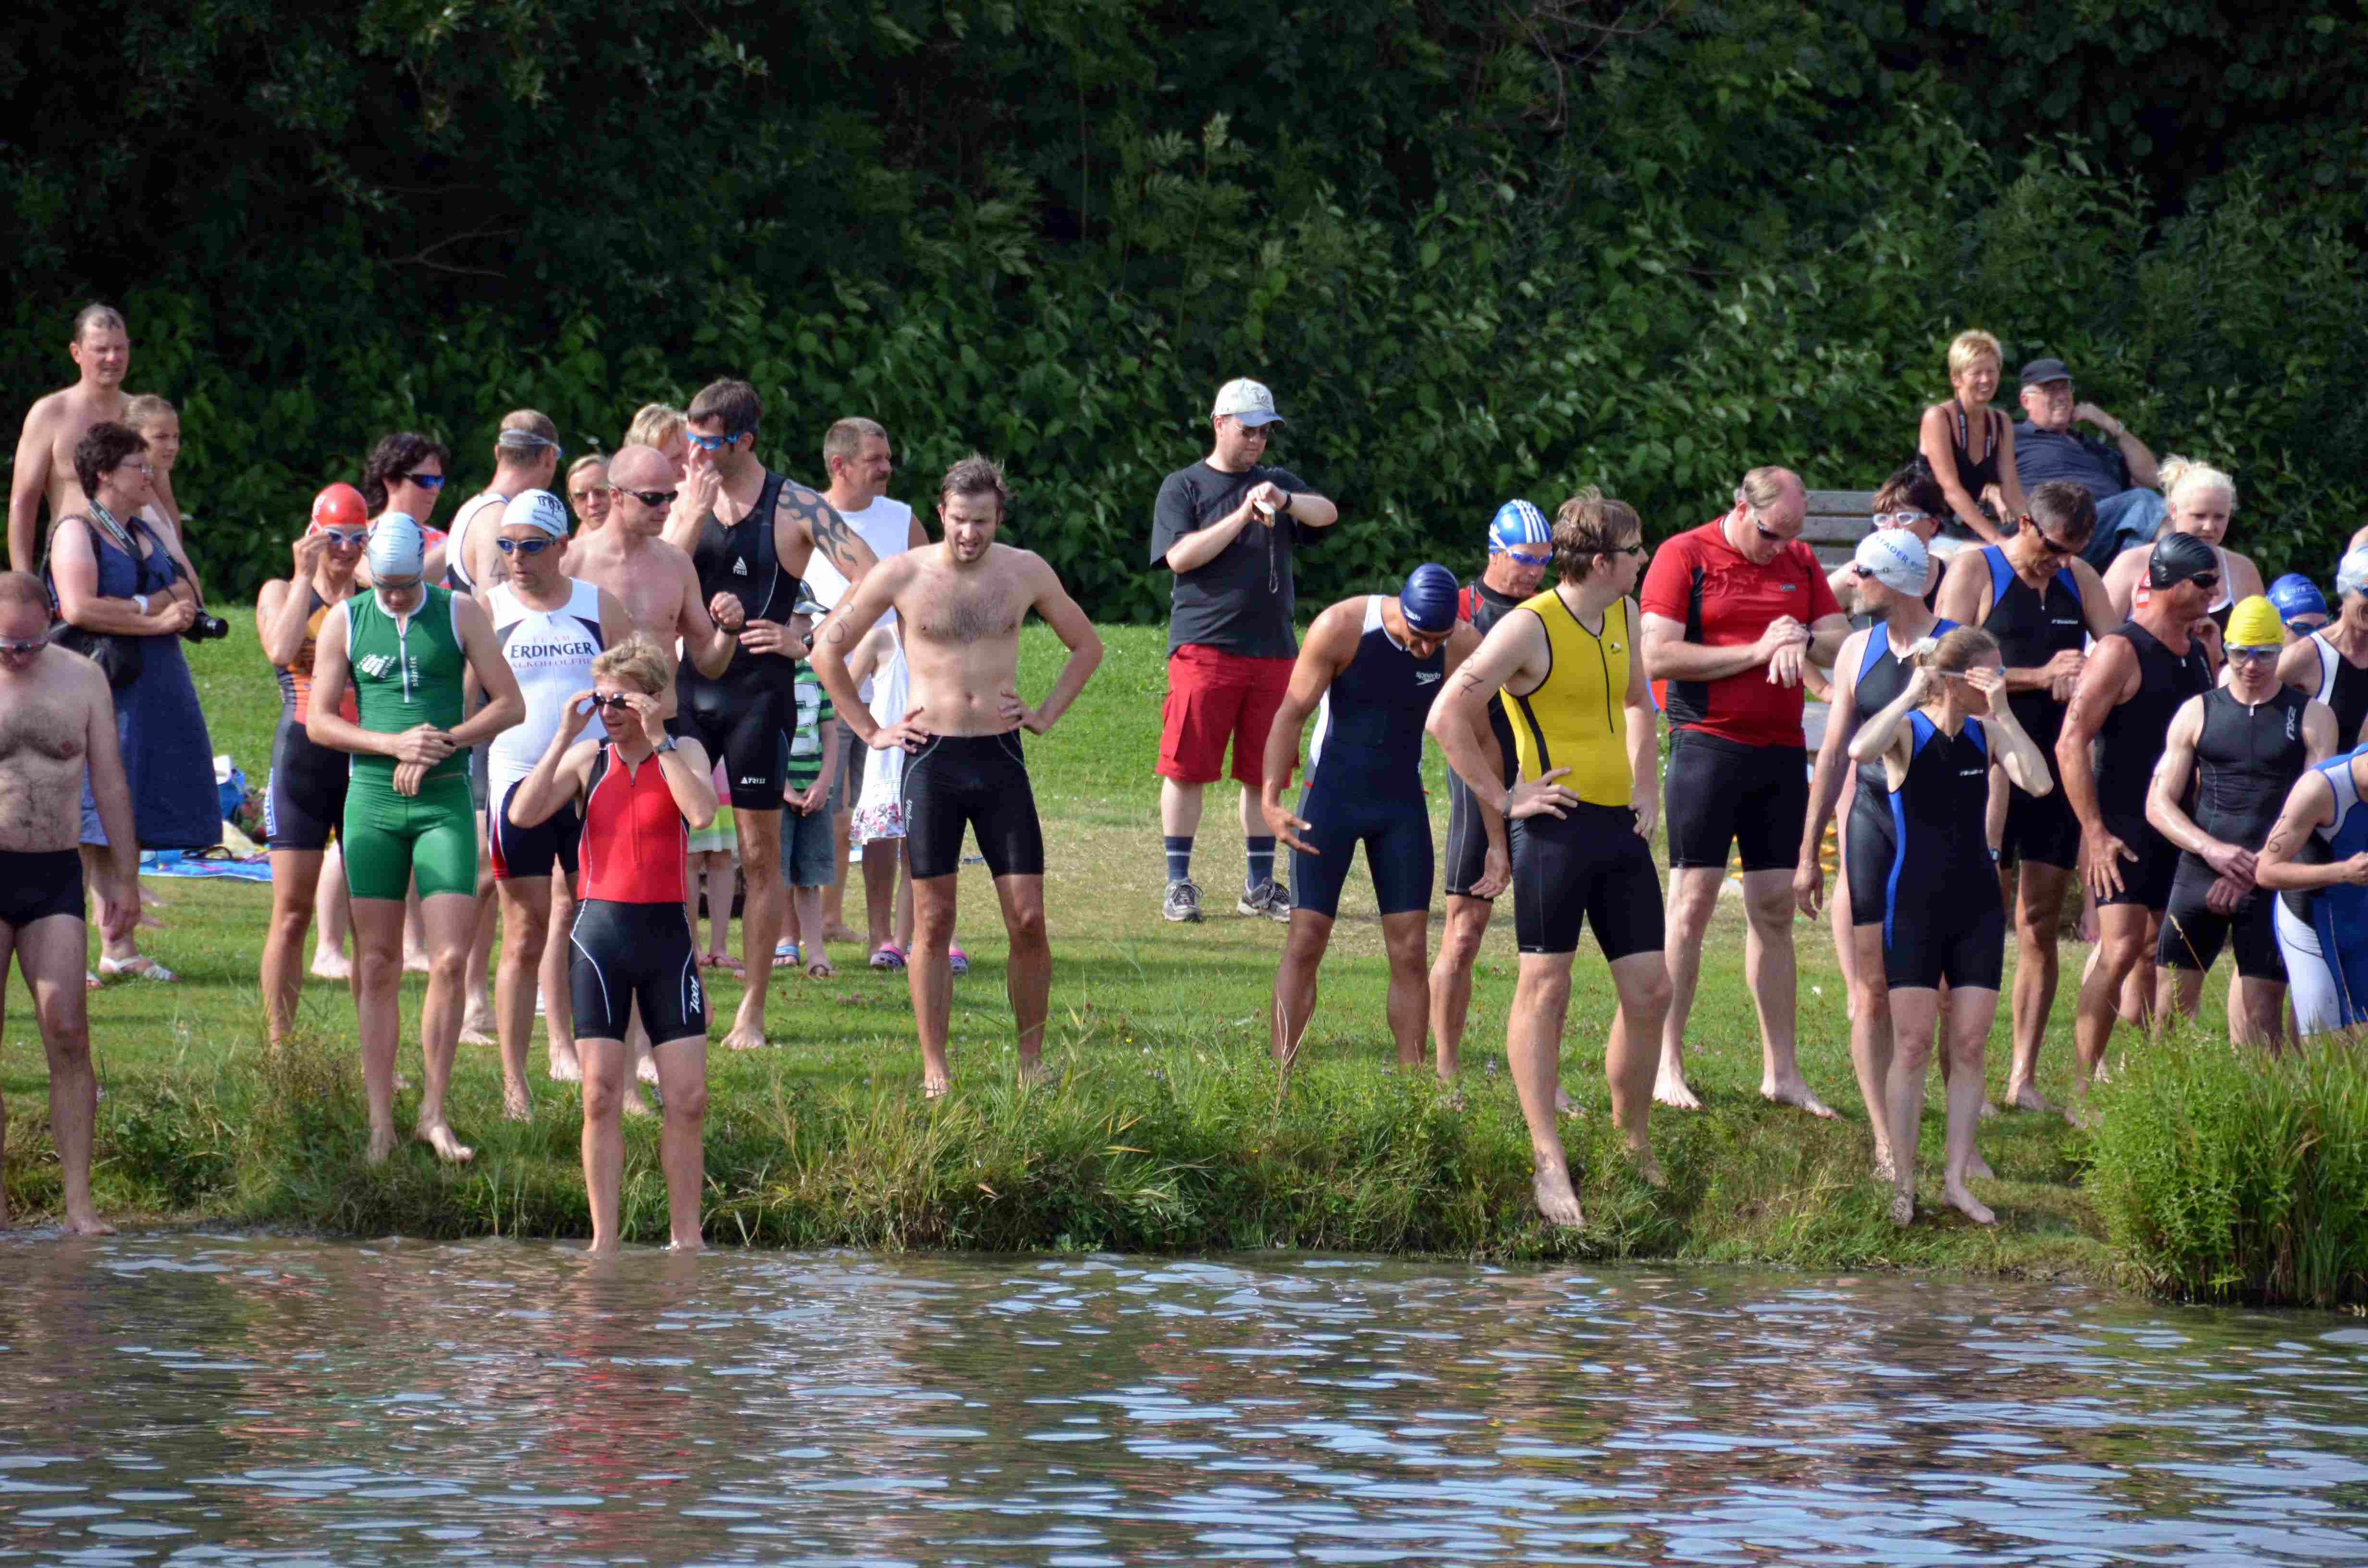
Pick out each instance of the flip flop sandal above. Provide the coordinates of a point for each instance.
(888, 955)
(142, 967)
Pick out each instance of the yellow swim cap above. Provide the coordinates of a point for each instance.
(2254, 623)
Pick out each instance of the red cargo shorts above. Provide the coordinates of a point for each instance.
(1214, 696)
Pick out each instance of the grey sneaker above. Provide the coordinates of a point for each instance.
(1267, 899)
(1183, 901)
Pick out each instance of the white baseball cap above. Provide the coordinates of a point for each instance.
(1246, 400)
(538, 509)
(1895, 558)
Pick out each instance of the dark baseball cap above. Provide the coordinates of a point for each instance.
(2039, 372)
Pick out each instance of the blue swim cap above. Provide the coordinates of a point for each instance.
(1518, 522)
(2294, 594)
(1429, 600)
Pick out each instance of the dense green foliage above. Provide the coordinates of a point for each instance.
(2227, 1179)
(1480, 252)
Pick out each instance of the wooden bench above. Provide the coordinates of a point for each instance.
(1838, 520)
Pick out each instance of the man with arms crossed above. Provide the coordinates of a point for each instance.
(56, 719)
(2137, 678)
(856, 454)
(1582, 819)
(1734, 611)
(754, 539)
(1225, 528)
(959, 604)
(410, 650)
(1521, 548)
(1370, 666)
(101, 350)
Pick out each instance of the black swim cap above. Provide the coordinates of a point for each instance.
(2178, 557)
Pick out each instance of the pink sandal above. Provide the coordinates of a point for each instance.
(887, 956)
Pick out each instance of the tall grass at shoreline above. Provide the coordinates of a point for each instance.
(1166, 1127)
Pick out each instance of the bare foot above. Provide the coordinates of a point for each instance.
(2025, 1097)
(1563, 1104)
(332, 966)
(645, 1068)
(818, 965)
(1670, 1089)
(148, 919)
(2104, 1073)
(88, 1223)
(1556, 1201)
(566, 1067)
(1989, 1107)
(477, 1026)
(1032, 1070)
(633, 1104)
(1903, 1209)
(934, 1088)
(842, 932)
(695, 1244)
(381, 1145)
(1795, 1093)
(743, 1038)
(1972, 1208)
(438, 1137)
(516, 1104)
(1979, 1168)
(1884, 1172)
(1647, 1166)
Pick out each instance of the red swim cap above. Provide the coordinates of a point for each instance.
(339, 506)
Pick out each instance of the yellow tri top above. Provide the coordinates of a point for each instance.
(1577, 717)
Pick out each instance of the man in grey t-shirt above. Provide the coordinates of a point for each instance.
(1225, 527)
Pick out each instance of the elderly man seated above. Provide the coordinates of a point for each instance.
(2118, 473)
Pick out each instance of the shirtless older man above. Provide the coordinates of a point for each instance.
(653, 579)
(960, 603)
(55, 718)
(101, 349)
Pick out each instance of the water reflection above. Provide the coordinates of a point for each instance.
(233, 1399)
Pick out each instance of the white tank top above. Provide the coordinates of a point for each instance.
(456, 544)
(551, 652)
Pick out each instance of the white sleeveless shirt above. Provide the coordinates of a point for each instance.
(551, 652)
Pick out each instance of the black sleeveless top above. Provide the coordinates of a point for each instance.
(2032, 627)
(2247, 759)
(742, 561)
(2134, 733)
(1975, 476)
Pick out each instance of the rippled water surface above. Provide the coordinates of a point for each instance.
(245, 1399)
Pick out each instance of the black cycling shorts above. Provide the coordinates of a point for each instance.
(1592, 866)
(522, 852)
(36, 885)
(2192, 936)
(1720, 794)
(2041, 829)
(978, 782)
(1467, 840)
(744, 723)
(1960, 940)
(1397, 853)
(304, 803)
(1869, 844)
(2145, 881)
(623, 953)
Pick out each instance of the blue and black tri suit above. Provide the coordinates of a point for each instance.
(1943, 916)
(1868, 840)
(2324, 934)
(2032, 627)
(1364, 776)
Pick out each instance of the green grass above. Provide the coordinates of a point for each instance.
(1166, 1127)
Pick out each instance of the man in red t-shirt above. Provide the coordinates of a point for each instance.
(1733, 611)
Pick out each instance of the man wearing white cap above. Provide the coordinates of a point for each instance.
(1225, 527)
(550, 626)
(410, 650)
(1870, 672)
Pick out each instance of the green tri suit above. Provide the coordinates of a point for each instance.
(407, 674)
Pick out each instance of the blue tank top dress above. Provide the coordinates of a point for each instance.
(1867, 839)
(1943, 916)
(168, 759)
(1364, 776)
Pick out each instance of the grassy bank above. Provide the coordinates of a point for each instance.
(1166, 1127)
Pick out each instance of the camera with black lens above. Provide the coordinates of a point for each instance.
(206, 627)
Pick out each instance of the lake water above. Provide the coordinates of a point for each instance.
(240, 1399)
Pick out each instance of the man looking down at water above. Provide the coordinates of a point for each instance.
(631, 795)
(1735, 611)
(960, 604)
(1582, 815)
(751, 534)
(1369, 669)
(410, 650)
(2134, 681)
(56, 721)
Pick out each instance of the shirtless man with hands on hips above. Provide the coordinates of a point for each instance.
(960, 604)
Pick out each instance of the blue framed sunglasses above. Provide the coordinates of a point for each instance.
(712, 443)
(523, 546)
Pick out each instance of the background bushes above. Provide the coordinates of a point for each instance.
(1479, 252)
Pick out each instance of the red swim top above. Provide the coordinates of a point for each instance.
(1723, 597)
(634, 838)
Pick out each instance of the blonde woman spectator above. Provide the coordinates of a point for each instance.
(2198, 499)
(1970, 444)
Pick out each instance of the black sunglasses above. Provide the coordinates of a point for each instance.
(648, 497)
(600, 699)
(2053, 546)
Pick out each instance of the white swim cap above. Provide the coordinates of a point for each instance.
(397, 554)
(538, 509)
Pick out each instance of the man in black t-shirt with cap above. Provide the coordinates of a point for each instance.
(1225, 527)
